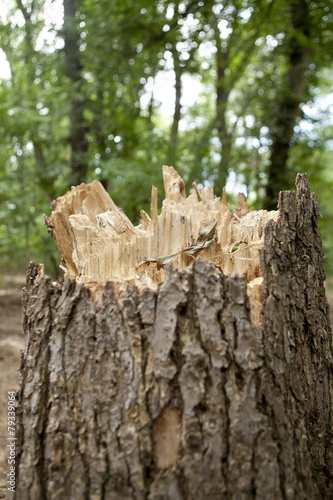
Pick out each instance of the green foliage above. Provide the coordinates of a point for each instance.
(242, 54)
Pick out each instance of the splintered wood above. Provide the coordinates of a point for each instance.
(97, 242)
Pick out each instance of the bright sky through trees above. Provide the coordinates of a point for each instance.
(164, 90)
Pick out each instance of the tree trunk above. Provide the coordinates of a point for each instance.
(180, 391)
(288, 103)
(173, 153)
(78, 127)
(222, 95)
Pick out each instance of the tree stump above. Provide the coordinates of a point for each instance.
(187, 358)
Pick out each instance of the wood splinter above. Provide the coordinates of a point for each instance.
(98, 245)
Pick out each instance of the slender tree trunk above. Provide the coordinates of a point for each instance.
(222, 96)
(225, 84)
(172, 156)
(288, 104)
(100, 136)
(78, 129)
(173, 393)
(44, 179)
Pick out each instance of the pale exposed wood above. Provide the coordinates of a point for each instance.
(98, 242)
(254, 292)
(167, 438)
(145, 219)
(173, 184)
(195, 187)
(86, 199)
(242, 208)
(224, 197)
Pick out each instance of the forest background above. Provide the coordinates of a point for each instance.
(235, 93)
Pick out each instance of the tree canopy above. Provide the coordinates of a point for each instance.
(81, 98)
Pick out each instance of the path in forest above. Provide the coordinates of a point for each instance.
(11, 344)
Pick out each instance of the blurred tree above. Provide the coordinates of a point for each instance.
(299, 51)
(73, 67)
(83, 100)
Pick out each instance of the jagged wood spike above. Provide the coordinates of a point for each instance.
(102, 244)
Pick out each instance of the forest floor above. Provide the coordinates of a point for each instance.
(11, 344)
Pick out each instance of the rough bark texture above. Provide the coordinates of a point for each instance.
(174, 394)
(297, 334)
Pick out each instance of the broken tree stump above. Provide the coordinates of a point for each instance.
(187, 358)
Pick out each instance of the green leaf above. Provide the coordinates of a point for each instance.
(160, 261)
(192, 250)
(208, 232)
(235, 246)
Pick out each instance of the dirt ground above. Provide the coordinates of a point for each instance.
(11, 344)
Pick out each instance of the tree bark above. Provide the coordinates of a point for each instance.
(173, 393)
